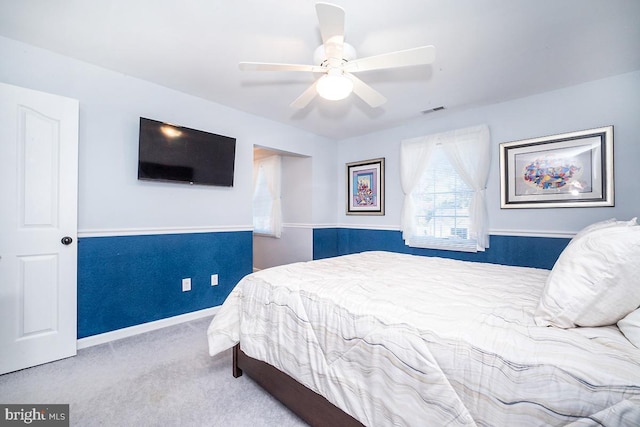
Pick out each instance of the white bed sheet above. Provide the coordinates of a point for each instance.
(396, 339)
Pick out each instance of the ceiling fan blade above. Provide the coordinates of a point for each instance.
(366, 92)
(331, 19)
(402, 58)
(306, 97)
(265, 66)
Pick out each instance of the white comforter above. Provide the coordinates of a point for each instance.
(396, 339)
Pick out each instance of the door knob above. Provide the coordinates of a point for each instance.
(66, 240)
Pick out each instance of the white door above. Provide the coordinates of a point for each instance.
(38, 210)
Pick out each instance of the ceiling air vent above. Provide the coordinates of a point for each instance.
(433, 110)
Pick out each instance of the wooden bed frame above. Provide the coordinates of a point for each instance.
(307, 404)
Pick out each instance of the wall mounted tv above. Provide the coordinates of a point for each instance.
(179, 154)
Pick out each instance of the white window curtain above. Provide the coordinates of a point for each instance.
(414, 158)
(267, 189)
(468, 150)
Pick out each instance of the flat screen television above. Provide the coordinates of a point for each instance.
(179, 154)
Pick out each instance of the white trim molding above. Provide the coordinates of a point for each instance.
(528, 233)
(314, 226)
(113, 232)
(494, 232)
(299, 225)
(231, 228)
(369, 227)
(144, 327)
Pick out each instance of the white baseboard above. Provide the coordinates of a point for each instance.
(144, 327)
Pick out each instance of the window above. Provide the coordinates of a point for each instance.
(444, 178)
(441, 201)
(267, 216)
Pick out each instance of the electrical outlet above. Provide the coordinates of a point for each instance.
(186, 284)
(214, 280)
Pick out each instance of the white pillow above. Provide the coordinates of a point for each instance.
(630, 327)
(596, 279)
(612, 222)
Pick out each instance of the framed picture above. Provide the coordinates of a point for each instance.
(568, 170)
(365, 187)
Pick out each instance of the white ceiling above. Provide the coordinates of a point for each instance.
(487, 50)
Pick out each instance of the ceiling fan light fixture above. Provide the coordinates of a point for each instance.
(334, 85)
(337, 61)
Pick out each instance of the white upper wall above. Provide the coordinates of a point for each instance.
(110, 195)
(612, 101)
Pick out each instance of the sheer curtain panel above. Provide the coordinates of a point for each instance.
(267, 184)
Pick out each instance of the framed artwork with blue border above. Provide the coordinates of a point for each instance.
(365, 187)
(573, 169)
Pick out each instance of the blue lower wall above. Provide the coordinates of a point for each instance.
(540, 252)
(128, 280)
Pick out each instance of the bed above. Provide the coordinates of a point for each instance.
(380, 338)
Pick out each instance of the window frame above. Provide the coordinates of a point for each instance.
(468, 152)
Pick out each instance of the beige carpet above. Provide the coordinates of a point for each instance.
(165, 377)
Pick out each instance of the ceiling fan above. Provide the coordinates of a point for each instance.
(337, 62)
